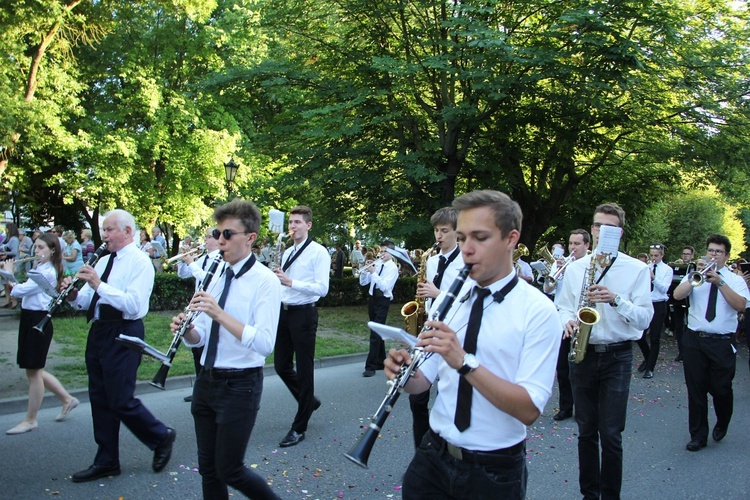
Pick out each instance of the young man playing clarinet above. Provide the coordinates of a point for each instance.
(238, 329)
(442, 269)
(495, 366)
(304, 276)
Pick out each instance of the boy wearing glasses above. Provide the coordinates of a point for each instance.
(601, 381)
(709, 358)
(661, 278)
(304, 278)
(679, 314)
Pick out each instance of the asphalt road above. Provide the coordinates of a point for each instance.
(657, 466)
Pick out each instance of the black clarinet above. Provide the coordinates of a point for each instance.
(160, 378)
(58, 301)
(360, 453)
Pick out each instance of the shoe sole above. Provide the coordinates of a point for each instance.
(98, 476)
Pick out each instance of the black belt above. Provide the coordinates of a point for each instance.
(707, 335)
(229, 373)
(477, 457)
(617, 346)
(290, 307)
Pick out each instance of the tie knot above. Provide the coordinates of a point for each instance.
(230, 274)
(481, 293)
(442, 259)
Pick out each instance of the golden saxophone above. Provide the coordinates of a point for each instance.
(414, 312)
(587, 314)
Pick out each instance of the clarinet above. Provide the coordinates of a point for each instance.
(58, 301)
(360, 453)
(160, 378)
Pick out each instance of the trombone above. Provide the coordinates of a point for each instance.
(195, 252)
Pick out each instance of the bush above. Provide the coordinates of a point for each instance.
(171, 292)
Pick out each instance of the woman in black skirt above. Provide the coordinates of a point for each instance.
(33, 345)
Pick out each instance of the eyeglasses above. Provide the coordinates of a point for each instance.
(227, 233)
(687, 253)
(657, 246)
(597, 225)
(717, 251)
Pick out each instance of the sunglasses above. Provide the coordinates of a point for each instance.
(227, 233)
(657, 246)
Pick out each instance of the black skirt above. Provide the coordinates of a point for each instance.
(33, 345)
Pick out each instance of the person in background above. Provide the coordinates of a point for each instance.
(87, 246)
(11, 249)
(72, 254)
(356, 257)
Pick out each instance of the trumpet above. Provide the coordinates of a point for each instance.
(195, 252)
(362, 269)
(58, 301)
(139, 345)
(360, 453)
(697, 278)
(551, 279)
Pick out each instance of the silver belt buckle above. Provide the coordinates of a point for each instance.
(285, 306)
(454, 451)
(600, 347)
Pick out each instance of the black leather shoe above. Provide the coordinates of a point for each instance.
(678, 358)
(316, 404)
(163, 452)
(292, 438)
(695, 445)
(642, 366)
(718, 433)
(188, 399)
(368, 373)
(95, 472)
(562, 415)
(648, 374)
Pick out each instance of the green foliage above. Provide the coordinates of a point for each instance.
(171, 292)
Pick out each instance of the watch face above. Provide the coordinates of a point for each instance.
(471, 361)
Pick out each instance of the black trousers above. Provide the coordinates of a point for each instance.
(563, 376)
(709, 365)
(295, 338)
(679, 317)
(377, 309)
(112, 369)
(420, 414)
(651, 352)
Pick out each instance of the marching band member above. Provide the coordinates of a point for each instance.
(709, 358)
(304, 276)
(661, 278)
(495, 367)
(32, 345)
(238, 331)
(116, 297)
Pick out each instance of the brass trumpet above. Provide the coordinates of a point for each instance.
(362, 269)
(195, 252)
(697, 278)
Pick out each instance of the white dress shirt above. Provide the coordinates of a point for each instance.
(525, 269)
(518, 342)
(383, 276)
(630, 279)
(662, 280)
(128, 288)
(32, 295)
(450, 274)
(310, 274)
(254, 301)
(725, 321)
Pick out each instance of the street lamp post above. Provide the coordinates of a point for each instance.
(230, 172)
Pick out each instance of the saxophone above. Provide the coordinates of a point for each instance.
(587, 314)
(278, 250)
(414, 312)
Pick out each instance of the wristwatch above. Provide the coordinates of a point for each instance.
(470, 364)
(721, 283)
(616, 301)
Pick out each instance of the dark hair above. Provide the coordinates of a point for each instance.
(720, 239)
(612, 209)
(305, 212)
(244, 210)
(148, 238)
(388, 243)
(53, 242)
(12, 230)
(446, 216)
(508, 214)
(584, 233)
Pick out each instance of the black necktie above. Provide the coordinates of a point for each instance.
(442, 264)
(465, 389)
(213, 339)
(711, 309)
(652, 281)
(105, 276)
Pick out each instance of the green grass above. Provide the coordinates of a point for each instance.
(341, 330)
